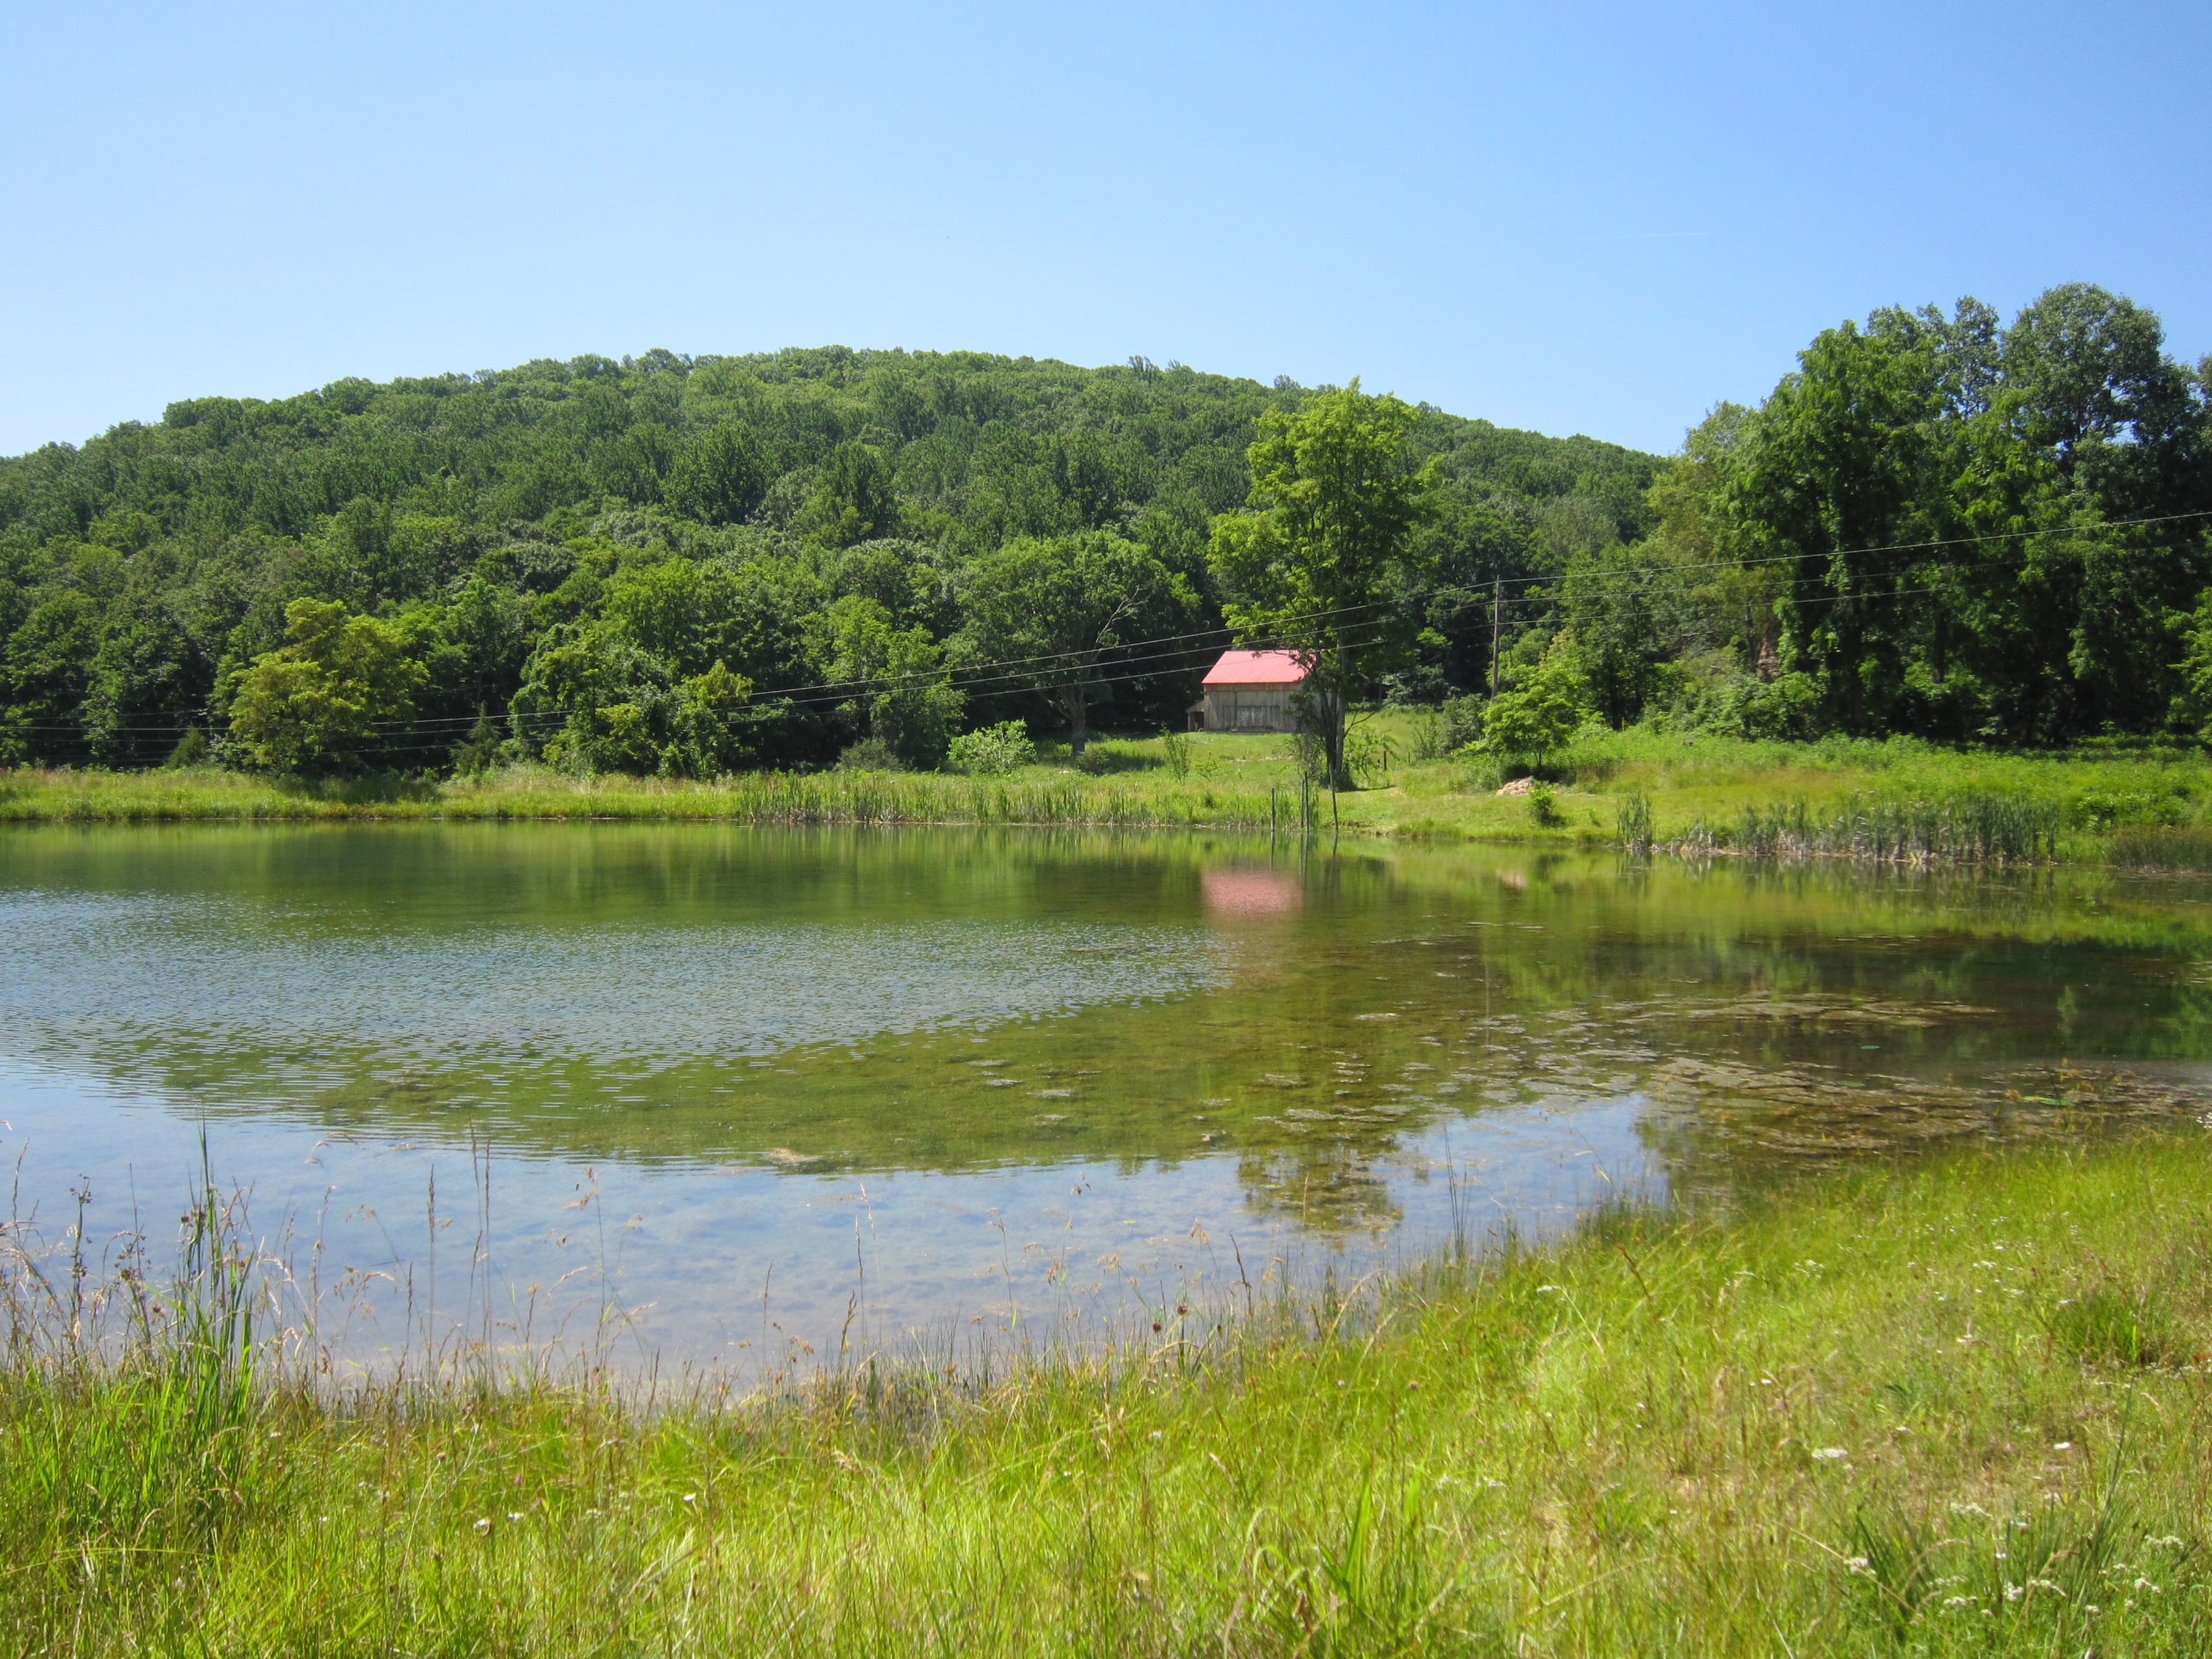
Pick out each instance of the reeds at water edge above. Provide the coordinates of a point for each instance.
(1969, 829)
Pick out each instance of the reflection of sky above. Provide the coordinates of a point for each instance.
(888, 1261)
(1245, 1065)
(84, 975)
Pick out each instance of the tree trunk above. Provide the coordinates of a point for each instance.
(1076, 705)
(1336, 709)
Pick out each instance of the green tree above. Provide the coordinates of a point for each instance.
(1540, 717)
(321, 701)
(663, 678)
(718, 477)
(906, 700)
(148, 682)
(1049, 614)
(853, 499)
(1334, 500)
(47, 669)
(1625, 608)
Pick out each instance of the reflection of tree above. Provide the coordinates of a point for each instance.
(1505, 977)
(1325, 1183)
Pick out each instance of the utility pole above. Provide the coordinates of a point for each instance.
(1497, 623)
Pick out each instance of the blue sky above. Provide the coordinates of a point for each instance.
(1576, 218)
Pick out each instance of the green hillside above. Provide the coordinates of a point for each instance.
(800, 517)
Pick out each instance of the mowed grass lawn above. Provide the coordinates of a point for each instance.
(1957, 1407)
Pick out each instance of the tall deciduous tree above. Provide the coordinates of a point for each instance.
(719, 476)
(1310, 565)
(1048, 612)
(905, 698)
(317, 703)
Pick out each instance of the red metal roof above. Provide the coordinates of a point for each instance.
(1256, 668)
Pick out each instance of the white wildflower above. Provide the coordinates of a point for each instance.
(1829, 1454)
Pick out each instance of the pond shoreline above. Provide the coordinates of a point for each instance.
(1862, 828)
(1936, 1405)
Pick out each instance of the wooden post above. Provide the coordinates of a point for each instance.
(1497, 620)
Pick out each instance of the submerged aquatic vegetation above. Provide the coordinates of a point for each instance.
(1841, 1421)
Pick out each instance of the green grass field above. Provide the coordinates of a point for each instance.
(1959, 1408)
(2149, 806)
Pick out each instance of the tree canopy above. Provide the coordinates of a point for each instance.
(1937, 523)
(1334, 500)
(571, 548)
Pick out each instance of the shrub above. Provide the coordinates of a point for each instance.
(992, 750)
(870, 755)
(1537, 719)
(1776, 710)
(1174, 748)
(2110, 809)
(193, 750)
(1447, 726)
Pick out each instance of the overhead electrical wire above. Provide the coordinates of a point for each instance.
(1005, 673)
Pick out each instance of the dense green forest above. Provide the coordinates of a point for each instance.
(1936, 525)
(573, 547)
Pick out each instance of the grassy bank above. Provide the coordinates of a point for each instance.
(1701, 794)
(1953, 1409)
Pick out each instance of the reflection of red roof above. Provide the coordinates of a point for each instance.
(1250, 892)
(1256, 668)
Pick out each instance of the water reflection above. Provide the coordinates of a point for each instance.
(962, 1072)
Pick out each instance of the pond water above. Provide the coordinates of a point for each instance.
(734, 1097)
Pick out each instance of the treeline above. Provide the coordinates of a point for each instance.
(1938, 524)
(693, 566)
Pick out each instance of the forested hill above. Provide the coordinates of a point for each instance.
(595, 532)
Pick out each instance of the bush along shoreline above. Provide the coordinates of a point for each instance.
(1954, 1406)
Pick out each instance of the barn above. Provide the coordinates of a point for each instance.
(1250, 691)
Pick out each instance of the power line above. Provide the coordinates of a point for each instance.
(1006, 673)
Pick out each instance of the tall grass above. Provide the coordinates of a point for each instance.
(1633, 825)
(1898, 801)
(779, 797)
(130, 1409)
(1968, 829)
(2161, 846)
(1861, 1420)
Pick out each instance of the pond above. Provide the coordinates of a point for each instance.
(725, 1098)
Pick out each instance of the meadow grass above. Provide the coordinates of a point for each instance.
(1951, 1407)
(2144, 805)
